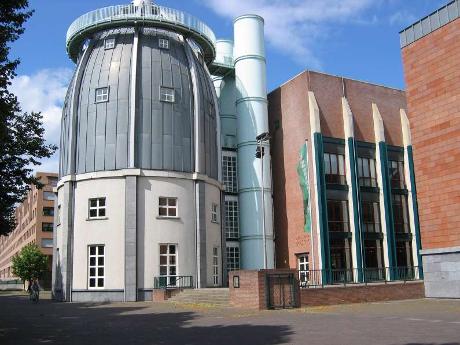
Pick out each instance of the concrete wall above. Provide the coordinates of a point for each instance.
(441, 268)
(108, 232)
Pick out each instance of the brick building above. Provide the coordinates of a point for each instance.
(34, 224)
(431, 58)
(343, 187)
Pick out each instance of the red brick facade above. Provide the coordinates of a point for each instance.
(289, 121)
(432, 74)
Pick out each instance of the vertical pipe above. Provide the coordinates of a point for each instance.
(252, 120)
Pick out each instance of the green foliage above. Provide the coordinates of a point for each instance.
(30, 263)
(21, 134)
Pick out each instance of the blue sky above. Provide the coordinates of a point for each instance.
(353, 38)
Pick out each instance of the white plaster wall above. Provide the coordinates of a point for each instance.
(109, 232)
(213, 233)
(153, 231)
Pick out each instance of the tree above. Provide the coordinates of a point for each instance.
(21, 134)
(30, 263)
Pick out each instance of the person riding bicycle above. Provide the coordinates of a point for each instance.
(34, 290)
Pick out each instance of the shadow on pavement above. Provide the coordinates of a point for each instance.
(22, 322)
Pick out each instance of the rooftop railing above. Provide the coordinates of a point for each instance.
(162, 16)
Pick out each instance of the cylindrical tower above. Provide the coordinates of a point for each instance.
(139, 192)
(256, 234)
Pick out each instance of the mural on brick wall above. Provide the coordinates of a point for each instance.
(302, 171)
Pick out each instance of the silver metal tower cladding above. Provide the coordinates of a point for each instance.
(140, 177)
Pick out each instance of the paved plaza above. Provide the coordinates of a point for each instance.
(426, 322)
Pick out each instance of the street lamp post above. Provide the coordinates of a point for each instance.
(262, 138)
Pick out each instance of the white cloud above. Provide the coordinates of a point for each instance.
(402, 18)
(295, 25)
(44, 92)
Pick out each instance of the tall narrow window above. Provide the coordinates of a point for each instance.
(303, 266)
(367, 172)
(371, 216)
(97, 208)
(233, 258)
(48, 211)
(163, 43)
(334, 168)
(167, 207)
(167, 94)
(215, 213)
(231, 219)
(337, 213)
(168, 263)
(47, 227)
(215, 266)
(102, 94)
(96, 267)
(229, 172)
(109, 43)
(396, 170)
(400, 213)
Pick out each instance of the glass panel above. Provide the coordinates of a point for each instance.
(92, 261)
(163, 249)
(101, 250)
(172, 270)
(93, 202)
(100, 261)
(162, 211)
(341, 165)
(372, 167)
(327, 167)
(172, 202)
(163, 260)
(100, 282)
(163, 270)
(93, 213)
(92, 250)
(92, 272)
(102, 202)
(92, 282)
(366, 168)
(100, 271)
(172, 249)
(102, 212)
(162, 201)
(172, 260)
(172, 212)
(334, 168)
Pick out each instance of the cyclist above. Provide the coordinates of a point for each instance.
(34, 290)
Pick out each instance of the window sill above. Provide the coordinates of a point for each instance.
(214, 222)
(167, 217)
(97, 218)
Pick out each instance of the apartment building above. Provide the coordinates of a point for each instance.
(34, 224)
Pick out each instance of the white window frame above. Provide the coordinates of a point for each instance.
(96, 266)
(166, 206)
(233, 265)
(109, 43)
(168, 264)
(215, 266)
(163, 43)
(230, 171)
(58, 220)
(215, 213)
(98, 208)
(101, 94)
(231, 220)
(167, 94)
(303, 265)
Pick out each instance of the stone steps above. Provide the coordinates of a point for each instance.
(212, 296)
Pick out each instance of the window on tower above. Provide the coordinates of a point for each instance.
(102, 94)
(109, 43)
(97, 208)
(163, 43)
(167, 94)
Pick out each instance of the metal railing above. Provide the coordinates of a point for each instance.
(321, 278)
(173, 282)
(145, 13)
